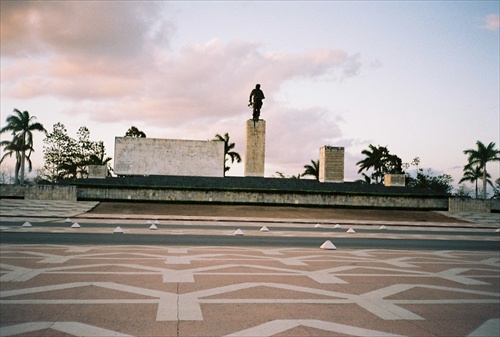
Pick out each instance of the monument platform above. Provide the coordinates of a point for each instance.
(250, 183)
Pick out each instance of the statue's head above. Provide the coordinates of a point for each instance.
(257, 86)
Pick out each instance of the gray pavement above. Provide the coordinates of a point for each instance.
(477, 218)
(173, 289)
(43, 208)
(54, 210)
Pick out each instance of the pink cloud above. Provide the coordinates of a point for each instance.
(116, 70)
(210, 81)
(66, 78)
(92, 28)
(79, 52)
(492, 22)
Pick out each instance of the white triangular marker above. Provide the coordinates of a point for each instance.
(498, 230)
(76, 225)
(118, 230)
(317, 226)
(383, 227)
(350, 230)
(156, 222)
(148, 222)
(328, 245)
(239, 232)
(264, 229)
(26, 224)
(67, 220)
(337, 226)
(153, 226)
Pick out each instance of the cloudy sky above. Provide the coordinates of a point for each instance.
(419, 77)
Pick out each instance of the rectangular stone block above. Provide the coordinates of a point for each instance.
(331, 164)
(394, 180)
(151, 156)
(255, 148)
(98, 171)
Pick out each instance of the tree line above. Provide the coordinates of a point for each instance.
(21, 125)
(68, 158)
(380, 161)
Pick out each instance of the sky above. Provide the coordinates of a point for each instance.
(420, 77)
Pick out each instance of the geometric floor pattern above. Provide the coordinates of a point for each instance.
(55, 290)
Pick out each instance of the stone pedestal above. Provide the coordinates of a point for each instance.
(394, 180)
(98, 171)
(331, 164)
(255, 148)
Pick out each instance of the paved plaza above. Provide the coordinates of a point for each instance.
(231, 291)
(240, 290)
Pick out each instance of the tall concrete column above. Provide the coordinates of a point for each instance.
(331, 164)
(255, 148)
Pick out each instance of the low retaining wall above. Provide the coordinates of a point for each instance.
(74, 193)
(466, 205)
(271, 198)
(39, 192)
(12, 191)
(51, 192)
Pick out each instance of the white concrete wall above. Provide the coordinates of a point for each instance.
(150, 156)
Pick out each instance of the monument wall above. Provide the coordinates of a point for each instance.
(150, 156)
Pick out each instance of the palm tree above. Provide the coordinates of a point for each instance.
(366, 179)
(473, 174)
(98, 157)
(480, 157)
(374, 159)
(282, 175)
(312, 170)
(10, 148)
(497, 189)
(227, 150)
(21, 125)
(13, 148)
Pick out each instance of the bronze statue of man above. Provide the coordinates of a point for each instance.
(256, 97)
